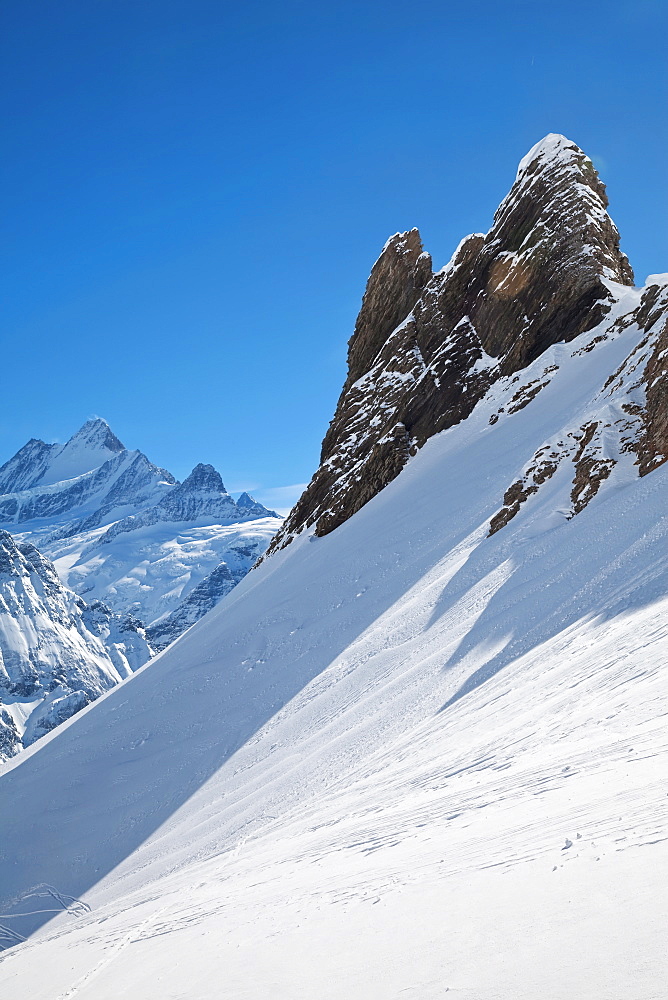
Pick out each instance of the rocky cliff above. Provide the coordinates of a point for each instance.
(427, 348)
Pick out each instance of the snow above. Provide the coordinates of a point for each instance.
(88, 449)
(550, 148)
(360, 773)
(122, 530)
(56, 654)
(149, 571)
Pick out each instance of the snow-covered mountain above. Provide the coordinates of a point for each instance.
(57, 653)
(143, 549)
(101, 481)
(41, 464)
(123, 531)
(422, 748)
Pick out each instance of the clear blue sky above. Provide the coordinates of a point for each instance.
(195, 191)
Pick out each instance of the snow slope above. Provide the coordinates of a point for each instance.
(404, 759)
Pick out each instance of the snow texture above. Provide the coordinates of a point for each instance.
(57, 654)
(402, 760)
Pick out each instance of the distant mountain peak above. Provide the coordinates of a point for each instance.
(203, 477)
(96, 433)
(246, 500)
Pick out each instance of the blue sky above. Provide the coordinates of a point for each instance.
(194, 194)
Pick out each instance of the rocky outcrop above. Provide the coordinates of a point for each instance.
(653, 444)
(427, 348)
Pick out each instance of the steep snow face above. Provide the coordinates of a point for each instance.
(123, 531)
(408, 757)
(57, 653)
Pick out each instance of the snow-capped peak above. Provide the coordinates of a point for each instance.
(41, 464)
(550, 148)
(92, 445)
(96, 433)
(246, 500)
(203, 478)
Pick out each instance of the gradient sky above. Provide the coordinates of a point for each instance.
(195, 191)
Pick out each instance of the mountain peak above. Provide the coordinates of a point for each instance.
(394, 286)
(203, 477)
(558, 206)
(96, 433)
(246, 500)
(426, 349)
(41, 464)
(549, 149)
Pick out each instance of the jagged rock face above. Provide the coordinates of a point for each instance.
(653, 445)
(57, 654)
(427, 349)
(201, 495)
(396, 282)
(26, 467)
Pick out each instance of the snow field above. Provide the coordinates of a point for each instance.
(398, 761)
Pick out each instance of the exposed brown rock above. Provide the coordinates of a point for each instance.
(590, 471)
(394, 286)
(653, 444)
(426, 349)
(542, 468)
(513, 499)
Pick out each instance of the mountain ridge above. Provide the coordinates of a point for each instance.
(132, 543)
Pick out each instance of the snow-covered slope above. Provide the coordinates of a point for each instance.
(407, 758)
(57, 653)
(123, 531)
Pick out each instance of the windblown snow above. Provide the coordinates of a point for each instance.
(405, 759)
